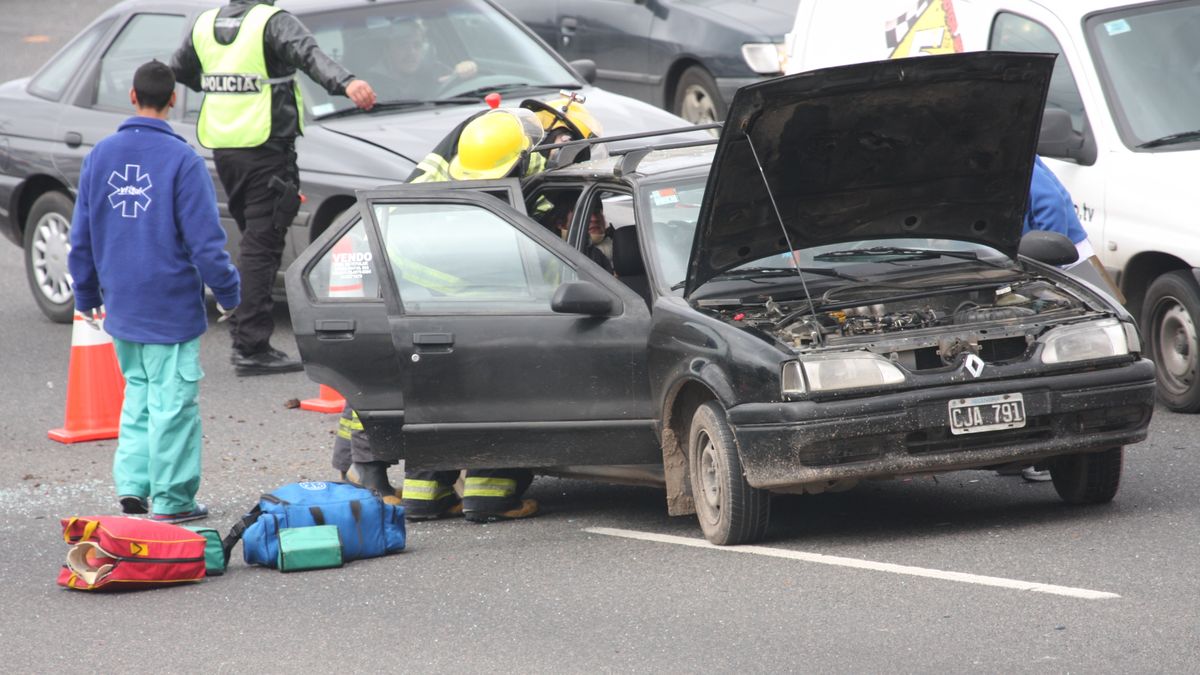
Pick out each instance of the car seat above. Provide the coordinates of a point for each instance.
(628, 263)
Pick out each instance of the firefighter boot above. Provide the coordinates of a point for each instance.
(430, 495)
(373, 476)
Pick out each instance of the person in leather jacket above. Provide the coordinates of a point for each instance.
(244, 56)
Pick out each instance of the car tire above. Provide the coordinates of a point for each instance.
(1088, 478)
(1170, 314)
(730, 511)
(697, 98)
(47, 242)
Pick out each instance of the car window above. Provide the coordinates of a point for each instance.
(429, 49)
(674, 209)
(1013, 33)
(462, 258)
(346, 270)
(1149, 57)
(52, 79)
(144, 37)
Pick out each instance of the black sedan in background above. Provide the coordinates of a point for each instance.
(49, 122)
(685, 56)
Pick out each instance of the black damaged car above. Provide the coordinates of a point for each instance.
(846, 295)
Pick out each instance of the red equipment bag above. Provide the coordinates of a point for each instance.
(119, 553)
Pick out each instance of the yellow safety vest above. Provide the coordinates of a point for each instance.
(236, 112)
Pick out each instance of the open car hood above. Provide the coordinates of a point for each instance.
(933, 147)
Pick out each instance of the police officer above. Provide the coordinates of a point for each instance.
(244, 57)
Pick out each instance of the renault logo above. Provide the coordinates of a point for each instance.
(974, 365)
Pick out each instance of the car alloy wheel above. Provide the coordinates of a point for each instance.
(47, 245)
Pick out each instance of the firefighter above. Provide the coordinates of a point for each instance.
(490, 144)
(244, 57)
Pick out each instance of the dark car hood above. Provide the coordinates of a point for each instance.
(937, 146)
(413, 132)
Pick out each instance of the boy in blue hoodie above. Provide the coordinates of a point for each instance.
(145, 239)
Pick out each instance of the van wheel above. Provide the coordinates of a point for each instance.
(1169, 316)
(47, 243)
(1088, 478)
(697, 99)
(729, 509)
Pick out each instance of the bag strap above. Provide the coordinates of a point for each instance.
(238, 529)
(317, 514)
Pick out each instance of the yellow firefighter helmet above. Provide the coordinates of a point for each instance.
(495, 142)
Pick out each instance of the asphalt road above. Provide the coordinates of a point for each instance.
(849, 582)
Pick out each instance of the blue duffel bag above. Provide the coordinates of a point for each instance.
(368, 527)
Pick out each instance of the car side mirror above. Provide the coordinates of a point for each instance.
(1059, 139)
(582, 297)
(586, 69)
(1051, 248)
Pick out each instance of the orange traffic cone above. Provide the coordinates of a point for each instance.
(95, 386)
(345, 281)
(328, 401)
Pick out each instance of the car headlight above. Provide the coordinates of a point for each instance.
(765, 58)
(841, 371)
(1081, 342)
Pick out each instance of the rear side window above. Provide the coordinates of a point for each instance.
(461, 258)
(52, 80)
(346, 270)
(145, 37)
(1013, 33)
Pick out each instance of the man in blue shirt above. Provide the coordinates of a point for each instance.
(145, 239)
(1051, 209)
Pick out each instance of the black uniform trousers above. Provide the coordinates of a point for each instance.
(262, 215)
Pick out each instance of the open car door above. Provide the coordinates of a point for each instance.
(450, 350)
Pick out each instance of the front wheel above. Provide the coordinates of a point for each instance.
(1169, 316)
(47, 243)
(697, 98)
(1088, 478)
(729, 509)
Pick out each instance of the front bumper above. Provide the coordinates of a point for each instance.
(791, 443)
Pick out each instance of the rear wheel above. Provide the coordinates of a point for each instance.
(729, 509)
(1169, 316)
(47, 243)
(697, 99)
(1088, 478)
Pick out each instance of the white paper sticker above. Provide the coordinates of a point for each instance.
(1117, 26)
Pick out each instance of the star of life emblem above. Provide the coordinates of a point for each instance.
(129, 191)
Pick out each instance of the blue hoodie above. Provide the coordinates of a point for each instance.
(1050, 205)
(146, 237)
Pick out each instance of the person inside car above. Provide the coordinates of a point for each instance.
(406, 66)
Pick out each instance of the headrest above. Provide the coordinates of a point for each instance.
(626, 253)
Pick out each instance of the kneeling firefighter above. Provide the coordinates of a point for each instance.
(489, 145)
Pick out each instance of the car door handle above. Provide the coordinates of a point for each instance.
(433, 342)
(567, 27)
(73, 139)
(334, 329)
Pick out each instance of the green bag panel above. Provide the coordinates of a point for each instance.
(309, 548)
(214, 552)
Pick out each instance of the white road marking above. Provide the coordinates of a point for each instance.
(1000, 582)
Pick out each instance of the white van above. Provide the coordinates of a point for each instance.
(1122, 130)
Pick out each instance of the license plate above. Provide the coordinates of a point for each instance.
(987, 413)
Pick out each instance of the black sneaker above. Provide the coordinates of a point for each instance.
(265, 363)
(133, 505)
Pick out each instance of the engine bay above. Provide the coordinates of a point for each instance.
(920, 329)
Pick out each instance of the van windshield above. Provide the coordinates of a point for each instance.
(1149, 60)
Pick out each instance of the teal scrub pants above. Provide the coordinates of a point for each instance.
(158, 450)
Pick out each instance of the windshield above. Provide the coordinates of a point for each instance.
(428, 50)
(1149, 57)
(675, 207)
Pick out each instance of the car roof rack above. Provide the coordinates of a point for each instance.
(568, 151)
